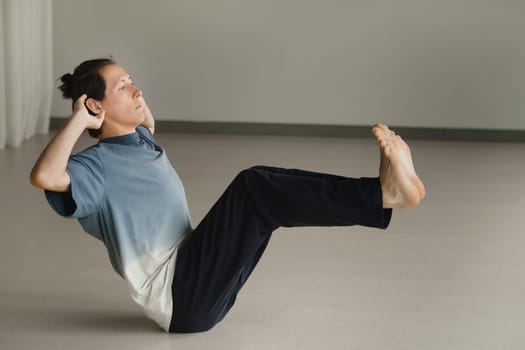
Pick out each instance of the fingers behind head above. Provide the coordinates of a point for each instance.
(82, 98)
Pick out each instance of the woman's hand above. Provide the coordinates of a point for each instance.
(149, 121)
(81, 112)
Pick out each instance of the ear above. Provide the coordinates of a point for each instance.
(93, 105)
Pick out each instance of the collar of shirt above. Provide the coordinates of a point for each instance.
(129, 139)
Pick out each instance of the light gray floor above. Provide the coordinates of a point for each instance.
(449, 274)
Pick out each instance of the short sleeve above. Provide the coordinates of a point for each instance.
(87, 187)
(61, 202)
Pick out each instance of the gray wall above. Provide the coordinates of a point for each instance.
(422, 63)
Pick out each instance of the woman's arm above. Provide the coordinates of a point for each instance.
(49, 171)
(148, 122)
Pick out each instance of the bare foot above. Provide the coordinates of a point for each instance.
(400, 184)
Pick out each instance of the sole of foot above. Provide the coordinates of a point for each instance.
(401, 186)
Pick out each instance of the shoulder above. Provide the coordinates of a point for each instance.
(89, 158)
(92, 152)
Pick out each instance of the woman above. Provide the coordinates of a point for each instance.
(124, 191)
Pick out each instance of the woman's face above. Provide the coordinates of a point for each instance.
(123, 101)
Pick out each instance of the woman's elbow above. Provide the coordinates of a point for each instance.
(38, 179)
(44, 181)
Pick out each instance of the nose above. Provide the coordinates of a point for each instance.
(137, 93)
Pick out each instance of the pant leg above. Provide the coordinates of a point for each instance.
(292, 197)
(217, 258)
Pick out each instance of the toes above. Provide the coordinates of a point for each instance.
(377, 132)
(382, 131)
(385, 128)
(387, 150)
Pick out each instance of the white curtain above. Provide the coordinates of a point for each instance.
(26, 69)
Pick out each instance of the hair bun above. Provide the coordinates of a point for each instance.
(85, 79)
(67, 80)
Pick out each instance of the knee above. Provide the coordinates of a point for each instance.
(246, 174)
(253, 171)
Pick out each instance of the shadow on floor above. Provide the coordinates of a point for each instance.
(33, 317)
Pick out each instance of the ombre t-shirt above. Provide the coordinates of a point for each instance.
(125, 193)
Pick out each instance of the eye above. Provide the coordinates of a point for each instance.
(121, 88)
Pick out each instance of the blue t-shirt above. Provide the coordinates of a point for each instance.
(125, 193)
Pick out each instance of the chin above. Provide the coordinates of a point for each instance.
(139, 119)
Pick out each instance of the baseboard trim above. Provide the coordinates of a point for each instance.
(343, 131)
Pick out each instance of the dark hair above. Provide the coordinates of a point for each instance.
(86, 79)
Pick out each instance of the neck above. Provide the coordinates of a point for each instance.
(109, 130)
